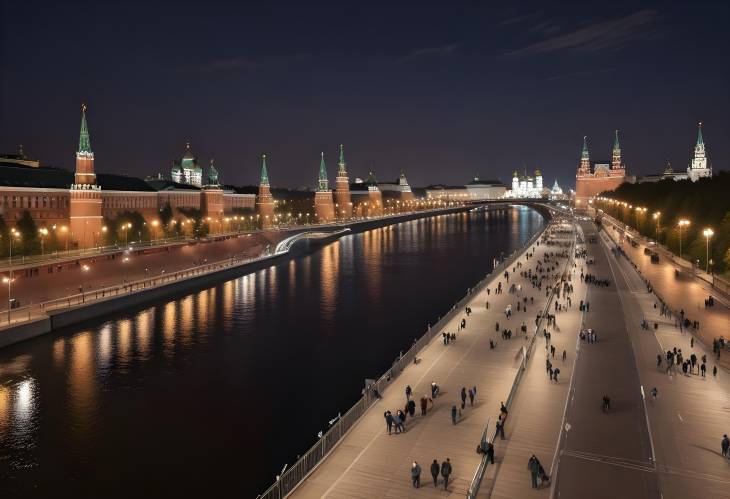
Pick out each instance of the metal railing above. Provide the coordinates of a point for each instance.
(306, 464)
(526, 355)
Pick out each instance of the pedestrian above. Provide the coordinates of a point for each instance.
(703, 368)
(500, 429)
(692, 342)
(471, 396)
(463, 397)
(654, 393)
(416, 474)
(725, 445)
(714, 371)
(453, 414)
(408, 392)
(388, 421)
(555, 374)
(490, 452)
(534, 466)
(424, 405)
(446, 471)
(435, 468)
(411, 406)
(565, 354)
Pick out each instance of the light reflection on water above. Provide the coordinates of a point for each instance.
(205, 386)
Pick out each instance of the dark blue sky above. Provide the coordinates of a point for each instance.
(444, 90)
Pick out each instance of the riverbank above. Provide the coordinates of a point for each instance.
(86, 305)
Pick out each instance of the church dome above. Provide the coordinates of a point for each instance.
(188, 153)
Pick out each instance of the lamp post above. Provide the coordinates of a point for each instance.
(657, 216)
(708, 233)
(44, 232)
(681, 223)
(10, 300)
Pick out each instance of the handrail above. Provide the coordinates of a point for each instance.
(481, 469)
(306, 464)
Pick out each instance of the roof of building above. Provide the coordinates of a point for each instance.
(112, 182)
(169, 185)
(477, 182)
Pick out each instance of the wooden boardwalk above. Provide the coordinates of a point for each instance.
(370, 463)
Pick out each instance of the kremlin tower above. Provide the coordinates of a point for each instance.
(324, 205)
(85, 196)
(698, 168)
(264, 199)
(342, 189)
(212, 194)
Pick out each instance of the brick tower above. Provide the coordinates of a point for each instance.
(324, 205)
(342, 189)
(85, 218)
(264, 199)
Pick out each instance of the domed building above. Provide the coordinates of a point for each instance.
(187, 171)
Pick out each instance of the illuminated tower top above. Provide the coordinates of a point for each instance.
(342, 164)
(264, 173)
(616, 154)
(84, 141)
(323, 185)
(585, 160)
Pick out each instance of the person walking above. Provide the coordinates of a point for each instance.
(534, 466)
(500, 429)
(453, 414)
(446, 471)
(565, 354)
(435, 468)
(654, 393)
(388, 421)
(555, 374)
(409, 391)
(424, 405)
(725, 445)
(471, 397)
(490, 452)
(416, 474)
(463, 397)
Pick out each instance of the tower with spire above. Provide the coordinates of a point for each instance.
(616, 163)
(699, 166)
(406, 194)
(585, 160)
(211, 197)
(85, 205)
(343, 199)
(324, 205)
(264, 199)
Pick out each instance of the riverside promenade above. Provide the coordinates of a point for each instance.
(368, 462)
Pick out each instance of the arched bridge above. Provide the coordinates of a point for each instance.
(285, 245)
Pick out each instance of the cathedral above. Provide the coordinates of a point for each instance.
(525, 186)
(602, 177)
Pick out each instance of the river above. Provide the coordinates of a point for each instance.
(212, 393)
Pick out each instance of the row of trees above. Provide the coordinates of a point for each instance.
(661, 205)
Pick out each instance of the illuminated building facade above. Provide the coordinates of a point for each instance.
(603, 177)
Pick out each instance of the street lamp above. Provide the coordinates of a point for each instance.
(681, 223)
(44, 232)
(9, 280)
(708, 233)
(64, 229)
(656, 217)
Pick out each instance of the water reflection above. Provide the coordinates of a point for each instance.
(160, 392)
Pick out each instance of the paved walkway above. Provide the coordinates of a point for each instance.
(371, 463)
(537, 413)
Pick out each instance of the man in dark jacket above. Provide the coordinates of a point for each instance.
(435, 468)
(416, 474)
(725, 445)
(446, 471)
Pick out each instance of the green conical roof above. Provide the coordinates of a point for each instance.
(264, 173)
(212, 174)
(584, 152)
(322, 169)
(700, 140)
(342, 158)
(616, 144)
(84, 142)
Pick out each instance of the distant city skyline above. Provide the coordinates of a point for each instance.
(448, 95)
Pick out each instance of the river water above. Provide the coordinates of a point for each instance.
(214, 392)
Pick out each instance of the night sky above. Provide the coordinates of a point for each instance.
(444, 90)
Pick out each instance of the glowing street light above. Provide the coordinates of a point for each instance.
(657, 216)
(43, 232)
(9, 280)
(708, 233)
(681, 223)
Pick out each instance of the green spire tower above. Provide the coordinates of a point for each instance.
(342, 163)
(700, 140)
(84, 141)
(264, 172)
(616, 154)
(323, 185)
(585, 160)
